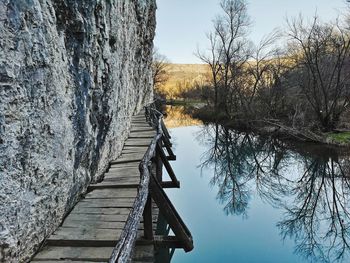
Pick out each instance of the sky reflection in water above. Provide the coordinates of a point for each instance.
(251, 199)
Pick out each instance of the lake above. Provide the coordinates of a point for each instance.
(248, 199)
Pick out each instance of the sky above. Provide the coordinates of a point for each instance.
(182, 24)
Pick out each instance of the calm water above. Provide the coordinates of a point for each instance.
(249, 199)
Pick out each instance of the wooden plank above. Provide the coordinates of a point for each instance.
(140, 129)
(139, 139)
(116, 185)
(139, 119)
(124, 166)
(76, 237)
(98, 224)
(118, 168)
(140, 143)
(144, 135)
(127, 158)
(121, 178)
(140, 116)
(131, 149)
(131, 172)
(140, 123)
(112, 193)
(63, 233)
(101, 210)
(113, 202)
(68, 261)
(106, 218)
(82, 253)
(94, 224)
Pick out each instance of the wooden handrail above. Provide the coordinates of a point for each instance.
(122, 252)
(151, 188)
(172, 217)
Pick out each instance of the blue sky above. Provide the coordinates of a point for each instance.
(182, 24)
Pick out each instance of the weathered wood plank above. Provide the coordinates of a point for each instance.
(94, 224)
(68, 253)
(140, 143)
(112, 193)
(113, 202)
(120, 178)
(123, 169)
(123, 166)
(131, 149)
(127, 158)
(101, 210)
(106, 218)
(98, 224)
(124, 172)
(81, 237)
(139, 139)
(112, 184)
(85, 234)
(141, 129)
(67, 261)
(142, 135)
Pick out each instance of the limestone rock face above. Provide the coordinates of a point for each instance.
(72, 73)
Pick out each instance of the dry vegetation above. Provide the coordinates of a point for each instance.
(182, 79)
(301, 88)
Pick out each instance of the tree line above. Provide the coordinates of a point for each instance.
(303, 84)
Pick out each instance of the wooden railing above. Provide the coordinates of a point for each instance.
(151, 188)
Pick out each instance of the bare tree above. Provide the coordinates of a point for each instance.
(321, 55)
(160, 67)
(264, 69)
(228, 50)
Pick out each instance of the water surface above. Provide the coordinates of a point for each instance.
(250, 199)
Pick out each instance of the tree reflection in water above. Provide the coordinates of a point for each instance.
(311, 185)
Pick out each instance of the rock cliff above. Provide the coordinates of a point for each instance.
(72, 73)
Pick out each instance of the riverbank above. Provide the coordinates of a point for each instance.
(339, 138)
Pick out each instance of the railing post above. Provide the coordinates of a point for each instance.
(147, 219)
(167, 165)
(159, 166)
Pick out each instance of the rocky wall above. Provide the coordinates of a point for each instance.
(72, 73)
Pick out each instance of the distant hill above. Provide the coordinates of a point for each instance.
(183, 77)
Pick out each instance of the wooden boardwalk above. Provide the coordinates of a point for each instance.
(92, 229)
(117, 218)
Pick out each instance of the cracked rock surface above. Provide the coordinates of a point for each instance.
(72, 73)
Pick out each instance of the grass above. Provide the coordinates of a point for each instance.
(340, 137)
